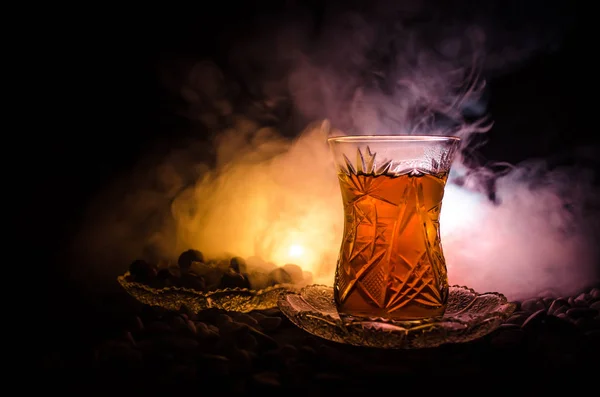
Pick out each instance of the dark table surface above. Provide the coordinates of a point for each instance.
(112, 344)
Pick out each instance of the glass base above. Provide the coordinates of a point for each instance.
(469, 315)
(411, 314)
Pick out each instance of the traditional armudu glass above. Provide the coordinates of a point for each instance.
(391, 263)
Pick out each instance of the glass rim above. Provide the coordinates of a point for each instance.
(392, 138)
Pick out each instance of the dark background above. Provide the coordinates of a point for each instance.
(107, 106)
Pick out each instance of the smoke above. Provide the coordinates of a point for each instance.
(251, 185)
(537, 237)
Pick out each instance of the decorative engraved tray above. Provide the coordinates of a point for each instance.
(469, 315)
(231, 299)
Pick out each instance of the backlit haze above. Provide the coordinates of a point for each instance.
(259, 181)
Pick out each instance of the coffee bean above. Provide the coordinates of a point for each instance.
(158, 312)
(329, 379)
(142, 271)
(238, 265)
(118, 356)
(270, 323)
(201, 327)
(331, 353)
(307, 352)
(232, 279)
(182, 374)
(187, 257)
(595, 293)
(288, 351)
(130, 339)
(547, 301)
(138, 324)
(581, 300)
(532, 305)
(181, 343)
(172, 282)
(213, 364)
(258, 280)
(246, 319)
(265, 342)
(164, 274)
(177, 322)
(175, 272)
(561, 310)
(295, 272)
(158, 328)
(271, 312)
(508, 326)
(518, 318)
(221, 264)
(559, 326)
(212, 279)
(585, 323)
(300, 373)
(222, 319)
(595, 306)
(192, 281)
(155, 283)
(233, 329)
(558, 306)
(576, 303)
(257, 315)
(579, 312)
(200, 269)
(247, 341)
(191, 326)
(203, 332)
(535, 318)
(240, 361)
(267, 379)
(149, 345)
(189, 313)
(278, 276)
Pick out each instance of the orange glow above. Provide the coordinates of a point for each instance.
(296, 251)
(279, 201)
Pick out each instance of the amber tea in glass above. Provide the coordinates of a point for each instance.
(391, 263)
